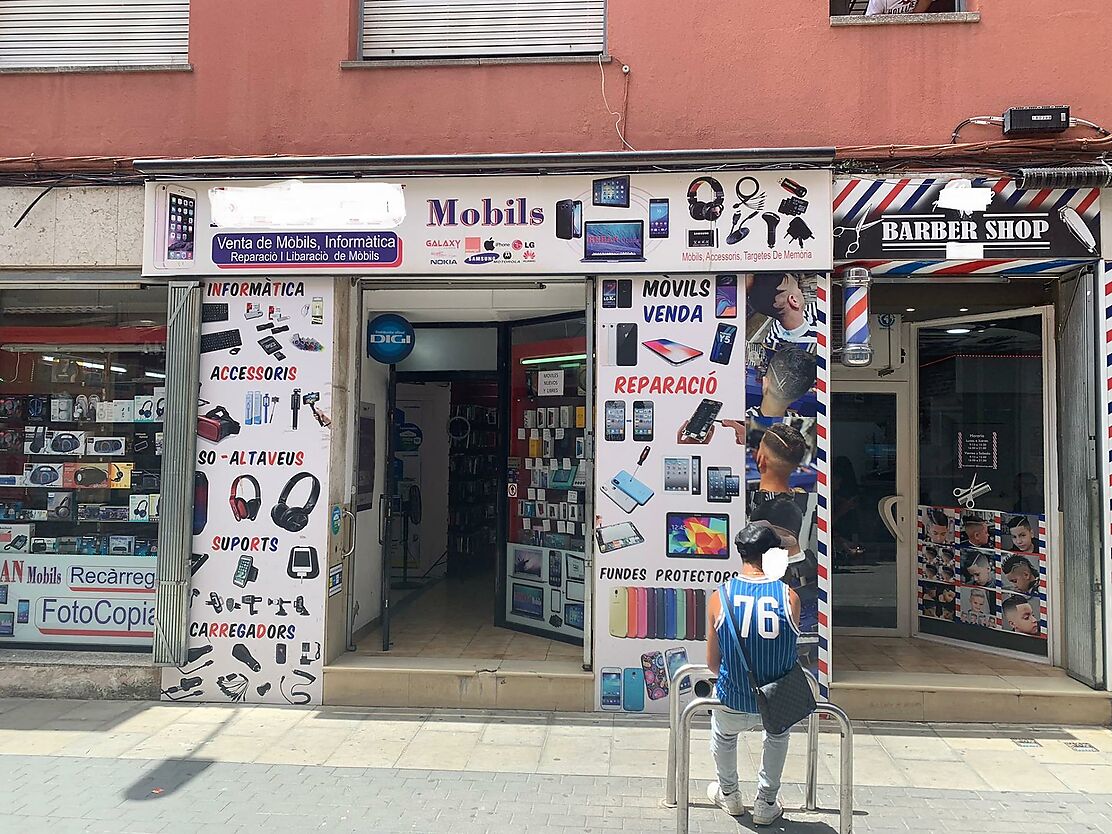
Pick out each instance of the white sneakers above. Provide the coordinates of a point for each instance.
(764, 813)
(730, 803)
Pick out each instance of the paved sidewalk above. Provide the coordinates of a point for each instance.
(131, 768)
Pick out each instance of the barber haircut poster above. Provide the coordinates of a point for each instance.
(673, 475)
(260, 525)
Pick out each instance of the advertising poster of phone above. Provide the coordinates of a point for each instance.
(260, 522)
(680, 406)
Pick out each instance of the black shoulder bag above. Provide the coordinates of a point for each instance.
(782, 703)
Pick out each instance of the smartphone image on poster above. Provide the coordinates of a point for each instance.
(696, 474)
(615, 411)
(625, 352)
(733, 486)
(23, 611)
(656, 675)
(555, 569)
(672, 352)
(633, 690)
(622, 499)
(643, 420)
(177, 209)
(609, 294)
(716, 484)
(625, 293)
(677, 474)
(724, 339)
(725, 296)
(610, 689)
(674, 660)
(658, 218)
(699, 426)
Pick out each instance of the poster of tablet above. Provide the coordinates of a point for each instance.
(260, 522)
(682, 405)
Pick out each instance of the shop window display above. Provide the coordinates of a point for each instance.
(82, 399)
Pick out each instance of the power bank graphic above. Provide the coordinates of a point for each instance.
(672, 352)
(632, 487)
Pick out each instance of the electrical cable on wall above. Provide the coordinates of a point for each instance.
(618, 117)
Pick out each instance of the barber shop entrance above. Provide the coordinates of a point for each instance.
(955, 452)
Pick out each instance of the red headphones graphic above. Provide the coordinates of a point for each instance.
(245, 509)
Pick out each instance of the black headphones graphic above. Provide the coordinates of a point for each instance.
(140, 510)
(160, 407)
(146, 410)
(294, 519)
(705, 211)
(63, 509)
(247, 509)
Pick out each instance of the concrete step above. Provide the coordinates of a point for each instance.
(910, 696)
(474, 683)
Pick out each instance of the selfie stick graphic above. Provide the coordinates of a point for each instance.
(968, 497)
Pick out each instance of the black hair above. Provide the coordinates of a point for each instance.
(789, 445)
(1012, 602)
(791, 373)
(969, 558)
(1019, 521)
(1014, 561)
(761, 294)
(938, 517)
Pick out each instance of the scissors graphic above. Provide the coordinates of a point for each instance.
(968, 497)
(856, 232)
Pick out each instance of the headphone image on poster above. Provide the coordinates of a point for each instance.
(700, 210)
(245, 509)
(295, 518)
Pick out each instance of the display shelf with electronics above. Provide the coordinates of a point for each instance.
(474, 478)
(547, 490)
(80, 481)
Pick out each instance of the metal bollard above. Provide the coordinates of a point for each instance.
(678, 782)
(697, 673)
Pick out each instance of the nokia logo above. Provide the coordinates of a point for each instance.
(516, 213)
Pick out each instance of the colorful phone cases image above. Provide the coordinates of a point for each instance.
(656, 675)
(681, 614)
(669, 613)
(661, 614)
(619, 619)
(700, 615)
(642, 612)
(650, 612)
(633, 690)
(692, 628)
(631, 612)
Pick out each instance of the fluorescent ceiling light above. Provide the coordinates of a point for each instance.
(94, 365)
(155, 375)
(59, 309)
(297, 204)
(542, 360)
(959, 331)
(39, 348)
(119, 370)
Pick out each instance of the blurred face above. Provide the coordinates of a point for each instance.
(977, 534)
(980, 573)
(1022, 577)
(938, 533)
(1023, 539)
(1022, 619)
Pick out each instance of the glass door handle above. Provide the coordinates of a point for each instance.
(886, 509)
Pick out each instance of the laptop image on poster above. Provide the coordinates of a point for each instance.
(613, 241)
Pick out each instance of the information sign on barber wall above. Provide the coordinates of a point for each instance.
(954, 219)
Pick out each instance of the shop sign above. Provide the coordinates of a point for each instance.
(550, 383)
(715, 222)
(957, 219)
(390, 338)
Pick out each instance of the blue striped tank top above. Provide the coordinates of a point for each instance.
(762, 617)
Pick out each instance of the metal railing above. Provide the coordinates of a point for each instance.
(677, 789)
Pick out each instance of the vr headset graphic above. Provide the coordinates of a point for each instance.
(216, 424)
(295, 518)
(245, 509)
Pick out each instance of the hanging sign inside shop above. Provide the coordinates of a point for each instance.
(540, 225)
(389, 338)
(957, 219)
(550, 383)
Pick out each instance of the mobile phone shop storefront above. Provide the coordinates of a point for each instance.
(82, 404)
(679, 454)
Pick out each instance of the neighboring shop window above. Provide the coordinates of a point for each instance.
(982, 561)
(547, 528)
(881, 8)
(82, 396)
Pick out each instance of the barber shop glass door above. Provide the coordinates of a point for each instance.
(869, 488)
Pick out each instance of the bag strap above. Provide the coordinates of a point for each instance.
(727, 612)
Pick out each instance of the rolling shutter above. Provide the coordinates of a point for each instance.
(87, 33)
(402, 29)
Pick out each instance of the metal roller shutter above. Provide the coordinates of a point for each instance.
(86, 33)
(482, 28)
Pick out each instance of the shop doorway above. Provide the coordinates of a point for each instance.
(477, 531)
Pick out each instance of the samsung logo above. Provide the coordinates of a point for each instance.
(482, 258)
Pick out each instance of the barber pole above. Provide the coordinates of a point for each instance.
(856, 349)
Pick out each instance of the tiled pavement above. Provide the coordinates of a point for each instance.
(132, 768)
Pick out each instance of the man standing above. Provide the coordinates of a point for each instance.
(756, 617)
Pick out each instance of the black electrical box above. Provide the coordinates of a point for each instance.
(1029, 121)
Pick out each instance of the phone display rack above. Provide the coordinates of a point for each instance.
(474, 469)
